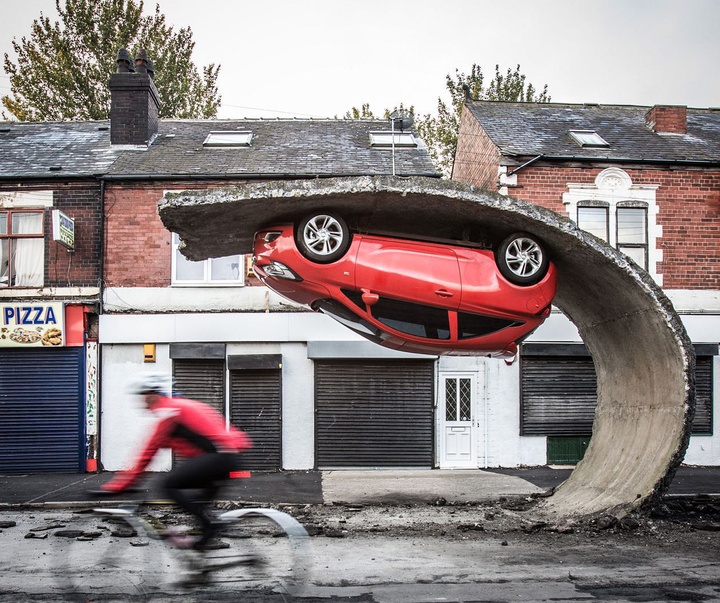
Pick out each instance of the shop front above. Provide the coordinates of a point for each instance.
(47, 388)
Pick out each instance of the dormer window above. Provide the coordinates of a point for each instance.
(588, 138)
(385, 139)
(229, 139)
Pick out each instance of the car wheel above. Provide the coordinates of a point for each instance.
(522, 259)
(323, 237)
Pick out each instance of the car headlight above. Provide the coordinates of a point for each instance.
(280, 271)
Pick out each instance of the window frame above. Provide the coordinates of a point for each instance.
(206, 280)
(383, 139)
(614, 188)
(10, 236)
(219, 139)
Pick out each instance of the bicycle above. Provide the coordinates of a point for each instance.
(119, 551)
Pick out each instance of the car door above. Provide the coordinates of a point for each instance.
(423, 273)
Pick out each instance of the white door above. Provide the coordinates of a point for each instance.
(456, 408)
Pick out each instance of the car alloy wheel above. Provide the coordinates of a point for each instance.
(522, 260)
(323, 237)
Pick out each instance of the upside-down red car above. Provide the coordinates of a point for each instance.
(411, 295)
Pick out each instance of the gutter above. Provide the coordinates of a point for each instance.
(254, 176)
(679, 162)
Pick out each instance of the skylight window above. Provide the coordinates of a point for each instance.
(588, 138)
(232, 139)
(385, 139)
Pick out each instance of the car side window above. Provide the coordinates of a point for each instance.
(476, 325)
(412, 319)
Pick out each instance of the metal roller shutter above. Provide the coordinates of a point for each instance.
(42, 410)
(374, 414)
(702, 423)
(559, 395)
(255, 402)
(202, 380)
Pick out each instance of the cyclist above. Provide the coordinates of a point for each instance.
(196, 432)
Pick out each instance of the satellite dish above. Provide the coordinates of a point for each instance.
(401, 119)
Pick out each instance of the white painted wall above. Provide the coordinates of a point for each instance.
(260, 330)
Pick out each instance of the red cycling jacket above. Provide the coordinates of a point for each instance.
(190, 428)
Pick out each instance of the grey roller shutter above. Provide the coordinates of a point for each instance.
(42, 410)
(558, 395)
(255, 402)
(202, 380)
(374, 413)
(702, 424)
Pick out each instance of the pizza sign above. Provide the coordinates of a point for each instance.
(31, 325)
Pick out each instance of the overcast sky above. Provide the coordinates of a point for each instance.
(319, 58)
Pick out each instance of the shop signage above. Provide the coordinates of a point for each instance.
(63, 229)
(32, 324)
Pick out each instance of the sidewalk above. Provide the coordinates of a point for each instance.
(354, 487)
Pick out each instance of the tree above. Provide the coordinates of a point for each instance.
(365, 112)
(440, 132)
(63, 69)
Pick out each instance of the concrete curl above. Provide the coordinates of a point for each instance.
(643, 357)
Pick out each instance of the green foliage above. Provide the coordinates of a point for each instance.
(365, 112)
(63, 68)
(440, 131)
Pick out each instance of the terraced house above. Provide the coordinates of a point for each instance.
(646, 180)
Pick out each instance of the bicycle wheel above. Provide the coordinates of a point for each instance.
(106, 555)
(262, 549)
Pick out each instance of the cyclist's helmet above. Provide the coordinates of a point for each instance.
(152, 383)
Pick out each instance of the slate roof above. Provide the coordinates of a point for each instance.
(532, 129)
(55, 149)
(294, 148)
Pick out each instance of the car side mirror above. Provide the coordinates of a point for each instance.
(369, 298)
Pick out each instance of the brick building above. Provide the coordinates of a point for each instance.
(647, 181)
(225, 338)
(50, 283)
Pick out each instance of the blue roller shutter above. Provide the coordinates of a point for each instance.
(42, 423)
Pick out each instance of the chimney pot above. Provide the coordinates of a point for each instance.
(141, 61)
(124, 64)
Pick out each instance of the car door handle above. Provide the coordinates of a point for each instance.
(443, 293)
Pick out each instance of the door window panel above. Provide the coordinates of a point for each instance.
(476, 325)
(412, 319)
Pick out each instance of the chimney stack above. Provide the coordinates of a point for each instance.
(667, 119)
(134, 101)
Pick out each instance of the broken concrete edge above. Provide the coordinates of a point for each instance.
(394, 195)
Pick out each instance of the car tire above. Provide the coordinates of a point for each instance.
(522, 259)
(322, 237)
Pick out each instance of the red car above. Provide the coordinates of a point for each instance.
(410, 295)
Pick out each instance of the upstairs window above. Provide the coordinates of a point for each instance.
(225, 271)
(22, 248)
(229, 139)
(620, 213)
(386, 139)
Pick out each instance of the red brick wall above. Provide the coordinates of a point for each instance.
(688, 211)
(138, 248)
(80, 201)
